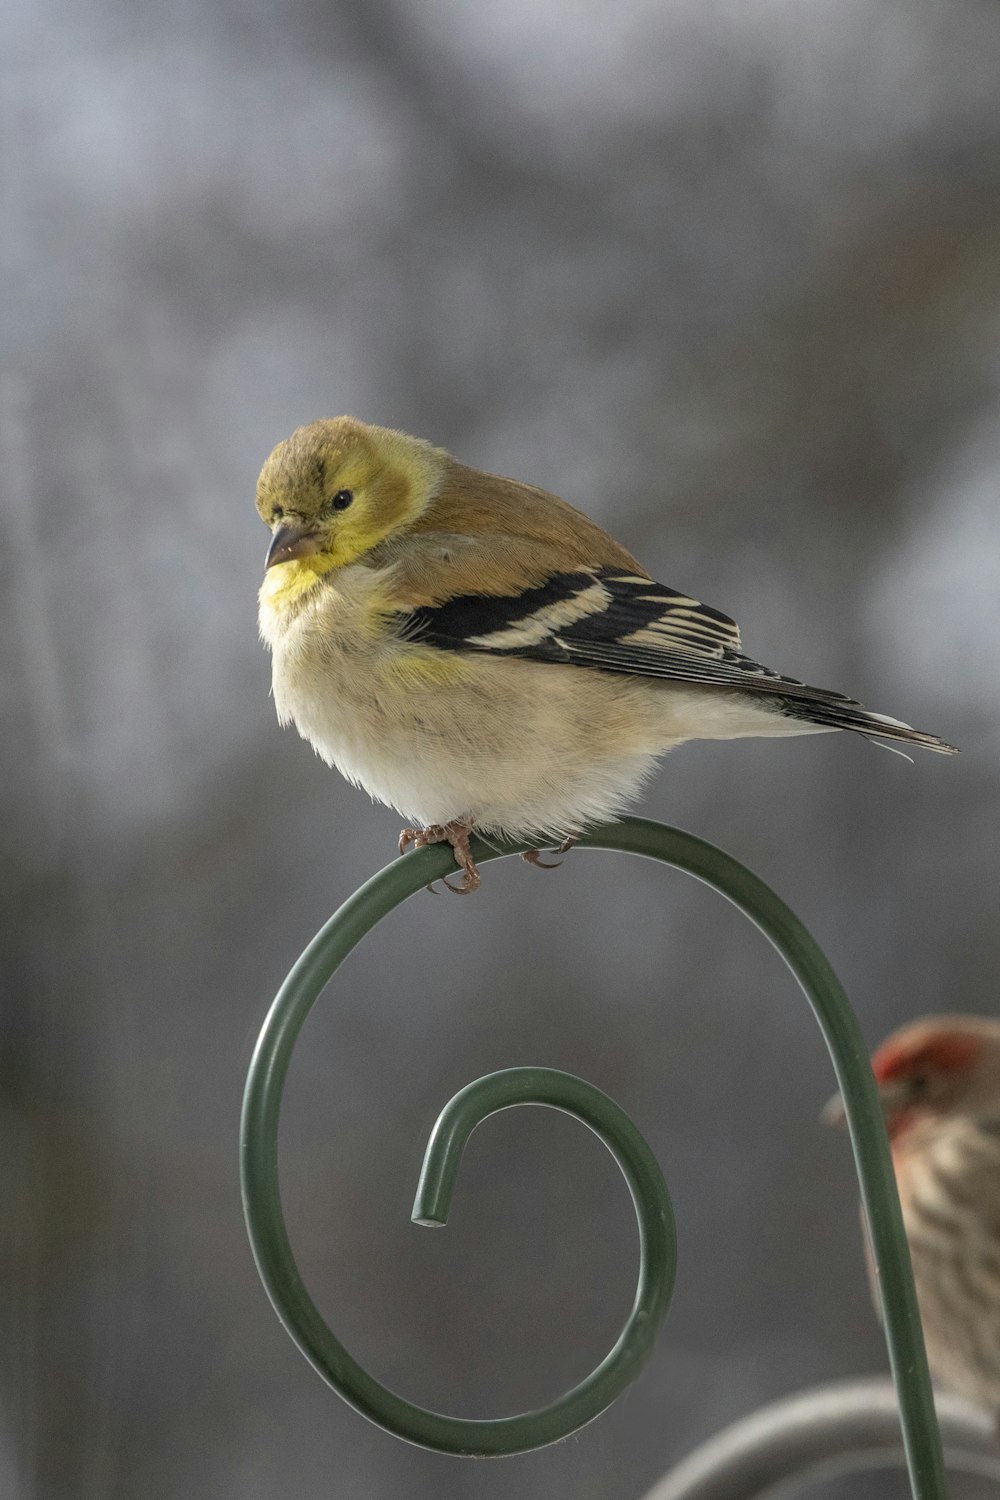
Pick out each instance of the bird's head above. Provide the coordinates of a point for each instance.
(334, 490)
(938, 1068)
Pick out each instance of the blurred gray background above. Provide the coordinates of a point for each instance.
(725, 275)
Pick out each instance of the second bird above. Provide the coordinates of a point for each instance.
(939, 1082)
(480, 656)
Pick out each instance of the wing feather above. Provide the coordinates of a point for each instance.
(616, 622)
(610, 622)
(594, 616)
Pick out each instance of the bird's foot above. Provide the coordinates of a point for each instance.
(533, 857)
(457, 835)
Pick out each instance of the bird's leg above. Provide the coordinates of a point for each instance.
(457, 835)
(532, 856)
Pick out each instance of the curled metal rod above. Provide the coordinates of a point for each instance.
(269, 1238)
(849, 1427)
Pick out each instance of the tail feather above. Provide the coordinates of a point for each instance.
(834, 712)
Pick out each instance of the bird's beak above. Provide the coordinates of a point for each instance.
(833, 1114)
(892, 1096)
(289, 541)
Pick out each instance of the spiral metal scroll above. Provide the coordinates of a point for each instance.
(269, 1238)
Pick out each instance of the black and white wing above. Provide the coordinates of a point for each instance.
(622, 622)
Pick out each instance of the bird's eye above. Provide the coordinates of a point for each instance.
(277, 513)
(342, 499)
(919, 1084)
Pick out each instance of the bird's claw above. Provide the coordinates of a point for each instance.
(533, 857)
(457, 835)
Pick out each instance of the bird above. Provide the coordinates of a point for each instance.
(480, 656)
(939, 1082)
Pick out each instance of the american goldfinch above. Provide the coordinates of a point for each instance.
(479, 655)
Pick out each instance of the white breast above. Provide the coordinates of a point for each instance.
(518, 747)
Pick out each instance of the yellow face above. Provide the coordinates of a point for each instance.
(335, 489)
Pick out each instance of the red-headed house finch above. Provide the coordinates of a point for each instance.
(939, 1081)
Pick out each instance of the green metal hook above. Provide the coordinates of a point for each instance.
(269, 1238)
